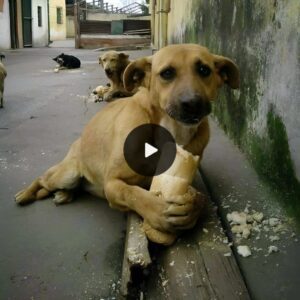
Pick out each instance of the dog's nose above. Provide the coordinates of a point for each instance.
(194, 108)
(108, 71)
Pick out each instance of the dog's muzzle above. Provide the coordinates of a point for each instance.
(190, 111)
(108, 72)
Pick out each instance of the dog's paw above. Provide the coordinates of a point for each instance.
(107, 98)
(183, 211)
(23, 197)
(63, 197)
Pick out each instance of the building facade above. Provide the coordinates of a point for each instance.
(23, 23)
(57, 20)
(4, 25)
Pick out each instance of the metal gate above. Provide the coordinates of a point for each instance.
(27, 23)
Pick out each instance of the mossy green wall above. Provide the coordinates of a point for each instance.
(263, 117)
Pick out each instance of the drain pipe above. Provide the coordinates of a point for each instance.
(163, 10)
(152, 7)
(48, 8)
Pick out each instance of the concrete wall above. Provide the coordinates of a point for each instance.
(263, 117)
(104, 17)
(39, 34)
(5, 27)
(111, 17)
(57, 31)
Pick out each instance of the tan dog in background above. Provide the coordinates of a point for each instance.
(114, 65)
(179, 82)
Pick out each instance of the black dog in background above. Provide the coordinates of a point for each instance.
(67, 61)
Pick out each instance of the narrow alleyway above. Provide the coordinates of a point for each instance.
(47, 252)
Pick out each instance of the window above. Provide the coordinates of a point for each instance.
(59, 15)
(39, 16)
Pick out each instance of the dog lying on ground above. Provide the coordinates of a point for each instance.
(114, 65)
(178, 84)
(3, 74)
(67, 62)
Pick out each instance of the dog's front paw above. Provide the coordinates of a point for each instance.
(108, 97)
(184, 210)
(24, 197)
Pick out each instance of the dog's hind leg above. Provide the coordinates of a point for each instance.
(61, 178)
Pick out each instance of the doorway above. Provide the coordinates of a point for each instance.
(27, 23)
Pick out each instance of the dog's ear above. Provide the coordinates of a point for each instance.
(138, 74)
(228, 71)
(123, 55)
(100, 61)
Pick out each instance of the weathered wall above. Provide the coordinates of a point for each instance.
(70, 26)
(5, 27)
(57, 31)
(263, 117)
(95, 16)
(39, 34)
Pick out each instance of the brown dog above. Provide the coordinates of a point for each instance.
(114, 65)
(179, 83)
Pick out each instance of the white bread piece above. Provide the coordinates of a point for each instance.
(169, 185)
(175, 181)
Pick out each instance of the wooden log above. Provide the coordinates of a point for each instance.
(136, 253)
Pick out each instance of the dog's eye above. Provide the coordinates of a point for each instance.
(203, 70)
(168, 73)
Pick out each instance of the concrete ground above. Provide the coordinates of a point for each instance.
(73, 251)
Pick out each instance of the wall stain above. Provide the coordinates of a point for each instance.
(247, 31)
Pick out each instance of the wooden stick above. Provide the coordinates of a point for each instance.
(136, 253)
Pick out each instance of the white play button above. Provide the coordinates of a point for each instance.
(149, 150)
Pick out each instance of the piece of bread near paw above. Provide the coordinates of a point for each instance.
(175, 181)
(101, 90)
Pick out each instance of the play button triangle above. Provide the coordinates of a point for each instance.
(149, 150)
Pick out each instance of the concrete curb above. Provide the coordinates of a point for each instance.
(234, 186)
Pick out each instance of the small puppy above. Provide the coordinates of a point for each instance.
(67, 62)
(179, 82)
(3, 74)
(114, 65)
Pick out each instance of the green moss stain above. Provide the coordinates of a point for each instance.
(271, 157)
(232, 28)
